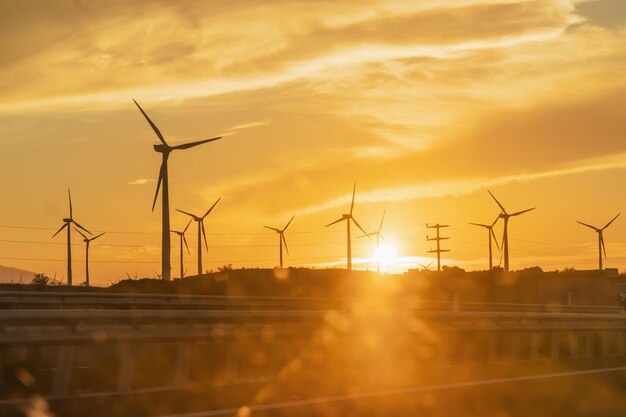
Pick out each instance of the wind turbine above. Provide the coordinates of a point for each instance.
(201, 232)
(348, 217)
(426, 267)
(87, 240)
(66, 224)
(281, 239)
(601, 247)
(379, 236)
(491, 234)
(164, 149)
(183, 239)
(505, 237)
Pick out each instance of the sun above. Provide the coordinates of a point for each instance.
(385, 255)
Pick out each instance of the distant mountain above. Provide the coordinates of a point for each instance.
(14, 275)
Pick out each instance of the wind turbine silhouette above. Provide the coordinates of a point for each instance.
(183, 239)
(426, 267)
(491, 234)
(87, 241)
(164, 149)
(66, 224)
(201, 232)
(281, 238)
(379, 236)
(348, 217)
(601, 247)
(505, 237)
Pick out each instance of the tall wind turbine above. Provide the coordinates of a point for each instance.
(164, 149)
(87, 241)
(505, 237)
(379, 236)
(490, 234)
(66, 224)
(601, 247)
(201, 232)
(281, 239)
(183, 239)
(348, 217)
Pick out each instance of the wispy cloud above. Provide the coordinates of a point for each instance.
(141, 181)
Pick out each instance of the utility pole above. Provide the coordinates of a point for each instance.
(438, 239)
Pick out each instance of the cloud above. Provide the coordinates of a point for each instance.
(141, 181)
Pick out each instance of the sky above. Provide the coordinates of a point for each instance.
(424, 104)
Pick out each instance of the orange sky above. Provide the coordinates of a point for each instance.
(424, 104)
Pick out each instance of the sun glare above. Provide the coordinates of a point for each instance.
(385, 255)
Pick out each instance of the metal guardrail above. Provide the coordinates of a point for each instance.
(101, 300)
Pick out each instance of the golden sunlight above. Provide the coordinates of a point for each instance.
(385, 256)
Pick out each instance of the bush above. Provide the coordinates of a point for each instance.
(40, 279)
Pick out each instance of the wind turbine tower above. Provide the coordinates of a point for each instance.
(504, 215)
(601, 247)
(201, 232)
(87, 241)
(67, 222)
(183, 240)
(490, 235)
(349, 218)
(164, 149)
(281, 239)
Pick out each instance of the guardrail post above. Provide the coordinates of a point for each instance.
(456, 299)
(606, 343)
(589, 345)
(182, 364)
(573, 345)
(127, 368)
(621, 342)
(516, 347)
(63, 371)
(535, 345)
(492, 354)
(555, 346)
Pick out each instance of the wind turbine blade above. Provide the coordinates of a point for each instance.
(188, 214)
(496, 200)
(282, 235)
(272, 228)
(479, 224)
(58, 231)
(358, 225)
(96, 237)
(209, 210)
(522, 212)
(196, 143)
(158, 187)
(81, 227)
(602, 243)
(288, 223)
(156, 129)
(428, 266)
(609, 223)
(381, 221)
(367, 235)
(588, 225)
(187, 227)
(206, 245)
(495, 239)
(187, 246)
(381, 236)
(336, 221)
(69, 196)
(81, 233)
(353, 193)
(495, 221)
